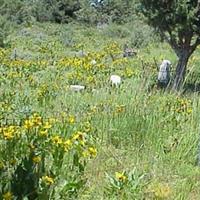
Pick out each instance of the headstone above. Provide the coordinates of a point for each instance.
(164, 74)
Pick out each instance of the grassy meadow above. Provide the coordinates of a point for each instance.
(132, 142)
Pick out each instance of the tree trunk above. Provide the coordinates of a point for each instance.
(181, 69)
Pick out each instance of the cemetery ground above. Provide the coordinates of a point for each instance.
(130, 142)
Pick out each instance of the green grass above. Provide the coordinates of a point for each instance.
(149, 134)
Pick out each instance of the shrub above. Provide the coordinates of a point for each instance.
(141, 35)
(18, 11)
(59, 11)
(37, 163)
(114, 30)
(114, 10)
(4, 30)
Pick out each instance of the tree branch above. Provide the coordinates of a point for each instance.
(172, 41)
(194, 46)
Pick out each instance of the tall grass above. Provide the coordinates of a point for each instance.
(149, 136)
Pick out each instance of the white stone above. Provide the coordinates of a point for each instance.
(115, 80)
(77, 88)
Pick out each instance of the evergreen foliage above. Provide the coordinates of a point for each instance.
(178, 22)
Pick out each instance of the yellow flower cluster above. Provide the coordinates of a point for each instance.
(19, 63)
(90, 152)
(9, 132)
(33, 121)
(178, 105)
(57, 140)
(8, 196)
(183, 106)
(78, 140)
(113, 48)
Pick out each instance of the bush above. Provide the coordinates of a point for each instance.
(141, 35)
(4, 30)
(114, 30)
(18, 11)
(62, 11)
(21, 11)
(118, 11)
(59, 11)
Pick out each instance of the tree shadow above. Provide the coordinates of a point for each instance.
(192, 87)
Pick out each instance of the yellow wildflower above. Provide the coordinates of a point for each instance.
(129, 72)
(47, 125)
(91, 79)
(28, 124)
(37, 120)
(8, 135)
(85, 154)
(78, 136)
(82, 143)
(71, 119)
(7, 196)
(9, 132)
(36, 159)
(47, 180)
(43, 132)
(87, 127)
(67, 144)
(92, 151)
(120, 176)
(57, 140)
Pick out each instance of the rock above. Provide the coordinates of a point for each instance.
(115, 80)
(77, 88)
